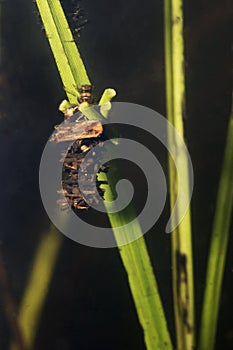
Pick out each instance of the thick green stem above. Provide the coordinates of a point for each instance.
(67, 57)
(134, 255)
(182, 261)
(141, 278)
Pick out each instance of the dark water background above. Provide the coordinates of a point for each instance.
(89, 305)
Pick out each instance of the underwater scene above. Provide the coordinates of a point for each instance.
(116, 134)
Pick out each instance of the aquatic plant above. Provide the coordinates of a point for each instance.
(140, 274)
(181, 237)
(141, 277)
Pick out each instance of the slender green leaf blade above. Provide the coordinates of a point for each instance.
(141, 278)
(218, 247)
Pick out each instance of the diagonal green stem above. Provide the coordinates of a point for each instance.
(218, 247)
(67, 57)
(141, 278)
(37, 286)
(134, 255)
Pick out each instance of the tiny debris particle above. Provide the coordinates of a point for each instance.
(176, 20)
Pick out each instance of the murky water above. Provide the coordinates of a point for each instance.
(89, 305)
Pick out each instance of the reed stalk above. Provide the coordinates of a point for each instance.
(134, 255)
(37, 286)
(181, 237)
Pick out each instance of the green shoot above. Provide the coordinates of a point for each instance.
(182, 272)
(218, 247)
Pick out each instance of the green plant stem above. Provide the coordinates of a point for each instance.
(218, 247)
(67, 57)
(141, 278)
(104, 102)
(37, 286)
(145, 293)
(107, 96)
(8, 304)
(182, 262)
